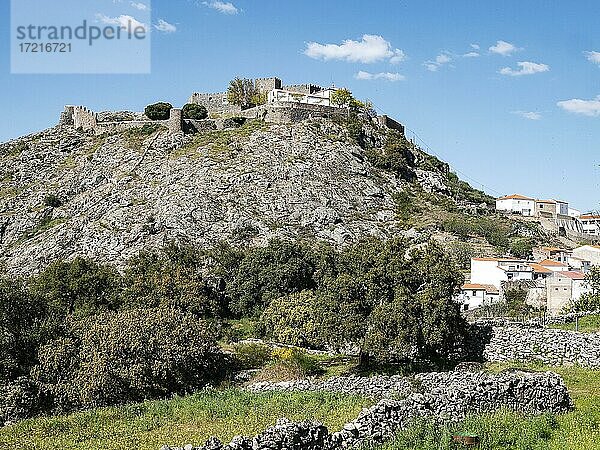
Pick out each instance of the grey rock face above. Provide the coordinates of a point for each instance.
(121, 193)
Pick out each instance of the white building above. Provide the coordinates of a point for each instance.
(590, 224)
(562, 289)
(590, 253)
(473, 295)
(516, 204)
(495, 270)
(575, 213)
(318, 98)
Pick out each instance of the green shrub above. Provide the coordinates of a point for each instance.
(252, 355)
(52, 200)
(158, 111)
(127, 356)
(194, 111)
(396, 156)
(20, 399)
(22, 328)
(289, 364)
(296, 319)
(170, 277)
(81, 286)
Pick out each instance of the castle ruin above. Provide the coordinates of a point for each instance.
(284, 104)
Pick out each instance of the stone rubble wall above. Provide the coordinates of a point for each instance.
(443, 397)
(547, 345)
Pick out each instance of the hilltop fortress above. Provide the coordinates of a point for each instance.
(284, 104)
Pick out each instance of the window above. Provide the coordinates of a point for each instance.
(474, 293)
(466, 307)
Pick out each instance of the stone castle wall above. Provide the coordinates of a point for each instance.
(214, 103)
(83, 118)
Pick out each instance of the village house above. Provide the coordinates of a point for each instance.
(590, 224)
(474, 295)
(540, 272)
(562, 289)
(496, 270)
(516, 203)
(553, 266)
(589, 254)
(551, 209)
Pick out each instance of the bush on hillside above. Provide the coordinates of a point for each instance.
(289, 364)
(194, 111)
(297, 319)
(81, 286)
(158, 111)
(127, 356)
(171, 277)
(22, 328)
(267, 273)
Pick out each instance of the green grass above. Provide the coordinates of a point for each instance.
(179, 421)
(587, 324)
(576, 430)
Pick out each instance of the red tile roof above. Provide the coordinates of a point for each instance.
(573, 275)
(551, 263)
(489, 288)
(515, 197)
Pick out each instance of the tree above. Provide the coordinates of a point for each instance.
(194, 111)
(383, 298)
(242, 92)
(170, 277)
(298, 319)
(265, 274)
(81, 286)
(158, 111)
(127, 356)
(341, 97)
(522, 247)
(22, 328)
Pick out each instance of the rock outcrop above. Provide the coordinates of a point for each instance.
(115, 194)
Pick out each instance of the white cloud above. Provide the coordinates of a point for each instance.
(440, 60)
(593, 57)
(471, 55)
(140, 6)
(503, 48)
(371, 48)
(526, 68)
(126, 22)
(531, 115)
(475, 46)
(585, 107)
(165, 26)
(388, 76)
(222, 7)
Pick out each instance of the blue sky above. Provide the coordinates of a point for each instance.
(506, 92)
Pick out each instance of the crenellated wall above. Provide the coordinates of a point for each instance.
(214, 103)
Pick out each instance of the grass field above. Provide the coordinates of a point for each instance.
(179, 421)
(225, 413)
(587, 324)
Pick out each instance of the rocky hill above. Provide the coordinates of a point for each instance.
(65, 193)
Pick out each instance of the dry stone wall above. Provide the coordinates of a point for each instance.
(546, 345)
(439, 396)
